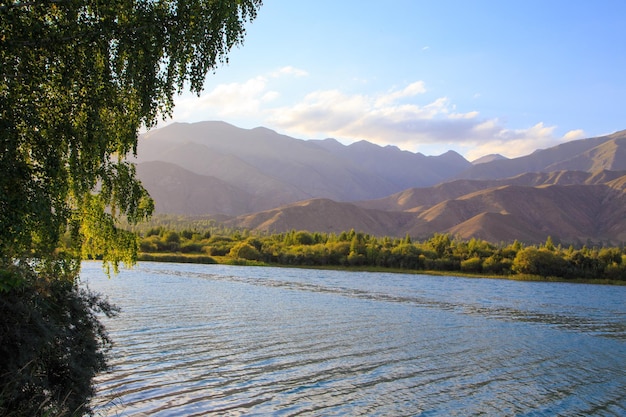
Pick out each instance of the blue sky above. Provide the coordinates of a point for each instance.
(478, 77)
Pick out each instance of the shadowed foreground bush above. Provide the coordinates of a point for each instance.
(51, 346)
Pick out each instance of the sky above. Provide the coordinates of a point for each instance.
(477, 77)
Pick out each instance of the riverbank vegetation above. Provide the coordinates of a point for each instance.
(351, 249)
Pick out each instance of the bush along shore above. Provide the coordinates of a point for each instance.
(441, 253)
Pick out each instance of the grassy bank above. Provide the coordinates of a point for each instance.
(177, 258)
(227, 260)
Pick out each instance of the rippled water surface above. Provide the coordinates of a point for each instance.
(195, 340)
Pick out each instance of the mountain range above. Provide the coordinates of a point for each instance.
(261, 180)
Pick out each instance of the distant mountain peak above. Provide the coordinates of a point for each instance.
(488, 158)
(363, 144)
(451, 153)
(452, 157)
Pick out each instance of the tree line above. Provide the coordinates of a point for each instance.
(440, 252)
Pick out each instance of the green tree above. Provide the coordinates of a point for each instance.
(496, 264)
(472, 265)
(440, 243)
(78, 80)
(541, 262)
(406, 255)
(303, 238)
(244, 250)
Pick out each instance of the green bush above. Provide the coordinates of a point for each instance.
(245, 251)
(443, 264)
(191, 247)
(541, 262)
(472, 265)
(493, 265)
(51, 345)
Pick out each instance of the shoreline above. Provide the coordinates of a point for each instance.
(224, 260)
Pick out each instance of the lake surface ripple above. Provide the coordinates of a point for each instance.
(196, 340)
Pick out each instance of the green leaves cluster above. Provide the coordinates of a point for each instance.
(78, 79)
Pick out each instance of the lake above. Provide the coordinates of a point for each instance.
(196, 340)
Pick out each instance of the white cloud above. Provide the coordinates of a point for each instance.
(384, 120)
(399, 117)
(468, 115)
(380, 119)
(493, 138)
(411, 90)
(574, 134)
(289, 70)
(227, 100)
(234, 100)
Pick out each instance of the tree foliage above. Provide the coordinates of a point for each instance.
(78, 80)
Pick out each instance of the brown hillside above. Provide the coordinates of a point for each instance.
(418, 199)
(323, 215)
(496, 227)
(610, 155)
(569, 213)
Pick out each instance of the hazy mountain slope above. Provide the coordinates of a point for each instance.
(488, 158)
(402, 168)
(179, 191)
(605, 152)
(231, 169)
(305, 169)
(262, 161)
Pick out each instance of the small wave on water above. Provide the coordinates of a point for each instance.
(195, 340)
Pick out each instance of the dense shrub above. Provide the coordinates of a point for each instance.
(51, 345)
(191, 247)
(442, 264)
(472, 265)
(304, 238)
(497, 265)
(244, 250)
(541, 262)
